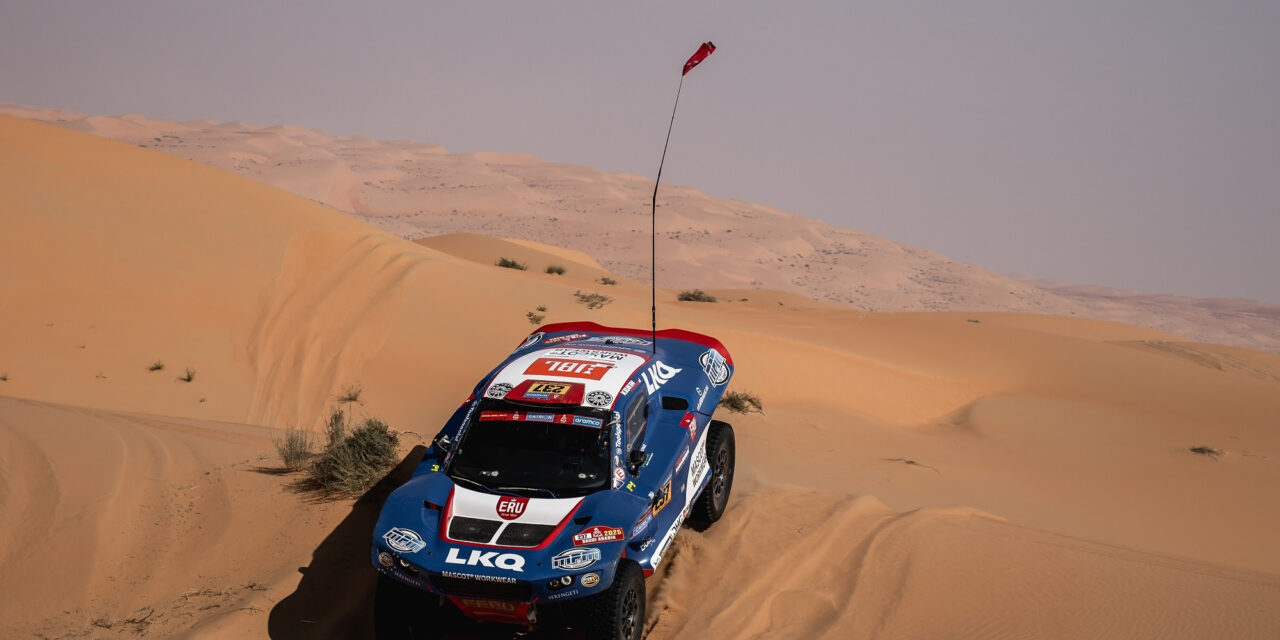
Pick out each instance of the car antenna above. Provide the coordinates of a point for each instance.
(706, 49)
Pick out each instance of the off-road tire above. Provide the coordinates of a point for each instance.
(401, 612)
(617, 613)
(721, 450)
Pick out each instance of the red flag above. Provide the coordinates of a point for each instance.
(701, 54)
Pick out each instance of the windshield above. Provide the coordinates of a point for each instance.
(533, 457)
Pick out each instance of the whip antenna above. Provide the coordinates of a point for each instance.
(698, 56)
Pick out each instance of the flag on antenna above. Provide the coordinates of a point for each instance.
(698, 56)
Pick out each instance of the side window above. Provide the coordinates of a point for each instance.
(636, 418)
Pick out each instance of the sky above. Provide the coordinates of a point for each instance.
(1133, 144)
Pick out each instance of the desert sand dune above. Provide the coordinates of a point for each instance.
(961, 475)
(416, 189)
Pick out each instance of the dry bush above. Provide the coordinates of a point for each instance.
(697, 295)
(741, 402)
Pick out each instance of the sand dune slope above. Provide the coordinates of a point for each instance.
(803, 564)
(117, 523)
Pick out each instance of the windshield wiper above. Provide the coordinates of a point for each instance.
(553, 494)
(474, 483)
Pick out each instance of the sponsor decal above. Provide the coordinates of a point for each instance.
(488, 605)
(642, 524)
(663, 498)
(702, 396)
(715, 366)
(511, 416)
(602, 399)
(566, 368)
(498, 390)
(597, 535)
(631, 486)
(666, 541)
(684, 455)
(435, 467)
(563, 594)
(534, 338)
(511, 507)
(657, 375)
(591, 354)
(619, 477)
(619, 340)
(540, 417)
(574, 559)
(690, 422)
(631, 384)
(404, 540)
(589, 580)
(648, 542)
(488, 559)
(569, 338)
(699, 465)
(548, 388)
(584, 421)
(480, 578)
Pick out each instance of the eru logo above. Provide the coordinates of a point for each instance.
(657, 375)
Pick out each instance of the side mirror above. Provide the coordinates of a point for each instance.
(442, 442)
(634, 460)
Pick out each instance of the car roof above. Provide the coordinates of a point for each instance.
(601, 364)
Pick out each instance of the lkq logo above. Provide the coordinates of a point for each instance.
(715, 366)
(404, 540)
(489, 559)
(574, 559)
(657, 375)
(511, 507)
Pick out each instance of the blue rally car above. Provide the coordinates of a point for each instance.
(560, 484)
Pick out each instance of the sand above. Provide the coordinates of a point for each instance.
(416, 189)
(914, 475)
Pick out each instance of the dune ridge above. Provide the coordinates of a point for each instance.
(416, 189)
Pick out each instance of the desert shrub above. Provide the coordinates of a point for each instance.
(592, 300)
(534, 318)
(353, 464)
(4, 377)
(555, 269)
(607, 280)
(1206, 451)
(697, 295)
(541, 308)
(188, 376)
(335, 429)
(158, 365)
(510, 264)
(294, 448)
(741, 402)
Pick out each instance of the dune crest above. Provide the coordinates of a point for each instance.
(416, 189)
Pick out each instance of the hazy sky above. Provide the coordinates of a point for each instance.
(1133, 144)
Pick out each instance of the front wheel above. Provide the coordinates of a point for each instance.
(618, 613)
(721, 451)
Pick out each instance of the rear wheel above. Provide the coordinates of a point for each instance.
(402, 612)
(721, 451)
(618, 613)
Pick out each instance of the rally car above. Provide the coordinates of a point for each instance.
(560, 484)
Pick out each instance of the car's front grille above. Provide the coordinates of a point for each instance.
(472, 529)
(457, 586)
(525, 535)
